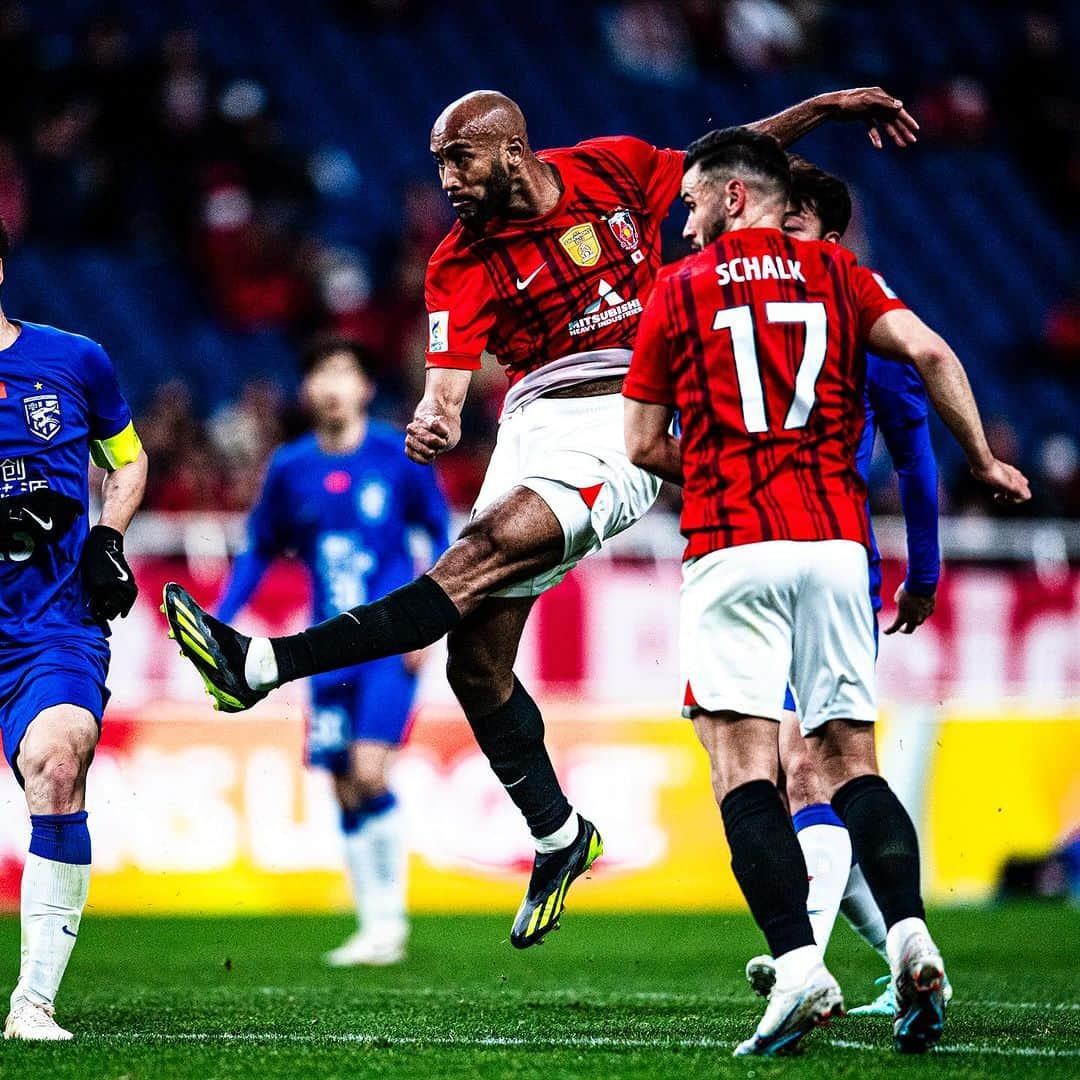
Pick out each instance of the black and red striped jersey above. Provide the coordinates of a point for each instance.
(567, 286)
(759, 342)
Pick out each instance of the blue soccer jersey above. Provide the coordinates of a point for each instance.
(347, 517)
(59, 405)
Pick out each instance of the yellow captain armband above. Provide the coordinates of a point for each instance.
(117, 450)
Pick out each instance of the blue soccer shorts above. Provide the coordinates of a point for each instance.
(370, 702)
(63, 670)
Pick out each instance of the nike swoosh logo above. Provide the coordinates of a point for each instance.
(65, 930)
(121, 573)
(44, 523)
(528, 281)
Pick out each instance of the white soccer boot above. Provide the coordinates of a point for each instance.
(885, 1003)
(761, 974)
(919, 983)
(369, 948)
(33, 1022)
(794, 1011)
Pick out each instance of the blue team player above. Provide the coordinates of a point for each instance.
(345, 499)
(60, 583)
(896, 405)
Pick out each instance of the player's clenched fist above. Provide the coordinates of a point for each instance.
(107, 578)
(428, 436)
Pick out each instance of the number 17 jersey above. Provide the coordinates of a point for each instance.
(759, 342)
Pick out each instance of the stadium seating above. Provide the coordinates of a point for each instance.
(934, 217)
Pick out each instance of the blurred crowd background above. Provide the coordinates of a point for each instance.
(203, 200)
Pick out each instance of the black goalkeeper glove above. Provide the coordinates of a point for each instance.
(108, 580)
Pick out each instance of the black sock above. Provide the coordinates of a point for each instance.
(409, 618)
(768, 864)
(512, 738)
(885, 845)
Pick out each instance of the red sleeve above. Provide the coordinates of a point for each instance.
(460, 308)
(873, 298)
(649, 378)
(658, 171)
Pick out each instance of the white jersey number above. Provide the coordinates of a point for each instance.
(740, 322)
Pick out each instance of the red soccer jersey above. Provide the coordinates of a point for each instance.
(569, 285)
(759, 342)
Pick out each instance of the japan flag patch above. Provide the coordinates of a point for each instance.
(438, 338)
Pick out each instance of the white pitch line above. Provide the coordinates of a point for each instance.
(661, 996)
(971, 1048)
(573, 1042)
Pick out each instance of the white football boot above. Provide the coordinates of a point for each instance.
(761, 974)
(919, 983)
(369, 948)
(34, 1022)
(793, 1012)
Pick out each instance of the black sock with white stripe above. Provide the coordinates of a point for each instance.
(409, 618)
(512, 738)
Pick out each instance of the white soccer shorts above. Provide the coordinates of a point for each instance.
(572, 453)
(756, 616)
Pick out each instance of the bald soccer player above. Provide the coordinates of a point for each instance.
(548, 268)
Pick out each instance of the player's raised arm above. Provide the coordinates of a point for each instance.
(436, 424)
(878, 109)
(901, 335)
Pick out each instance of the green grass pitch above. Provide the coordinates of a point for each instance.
(608, 996)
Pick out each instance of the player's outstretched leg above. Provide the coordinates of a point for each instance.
(517, 536)
(239, 671)
(886, 846)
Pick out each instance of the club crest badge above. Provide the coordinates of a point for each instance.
(42, 413)
(624, 229)
(582, 245)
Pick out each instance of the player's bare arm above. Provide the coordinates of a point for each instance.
(107, 579)
(649, 443)
(878, 109)
(122, 492)
(902, 335)
(436, 424)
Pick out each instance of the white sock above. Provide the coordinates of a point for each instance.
(897, 938)
(53, 898)
(378, 860)
(827, 850)
(793, 968)
(260, 665)
(860, 909)
(561, 838)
